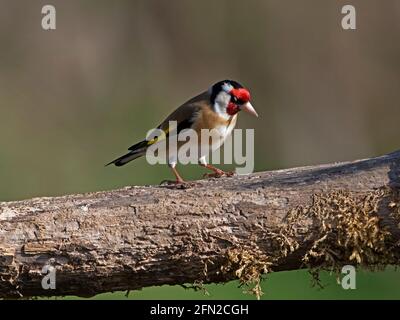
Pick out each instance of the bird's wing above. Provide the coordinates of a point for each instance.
(185, 116)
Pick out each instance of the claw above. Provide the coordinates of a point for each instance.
(212, 175)
(230, 173)
(219, 174)
(177, 184)
(171, 182)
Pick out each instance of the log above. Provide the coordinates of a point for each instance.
(316, 217)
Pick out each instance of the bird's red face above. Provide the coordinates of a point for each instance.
(240, 100)
(228, 97)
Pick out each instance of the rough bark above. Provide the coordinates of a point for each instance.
(219, 230)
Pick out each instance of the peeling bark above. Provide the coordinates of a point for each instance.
(216, 231)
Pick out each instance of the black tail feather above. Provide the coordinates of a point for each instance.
(127, 158)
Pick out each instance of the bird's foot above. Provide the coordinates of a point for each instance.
(177, 184)
(219, 174)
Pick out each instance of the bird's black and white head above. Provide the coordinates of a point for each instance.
(228, 97)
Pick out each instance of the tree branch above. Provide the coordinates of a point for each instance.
(223, 229)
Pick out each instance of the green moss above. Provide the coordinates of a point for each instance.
(342, 228)
(247, 265)
(348, 230)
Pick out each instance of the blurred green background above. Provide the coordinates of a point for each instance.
(75, 98)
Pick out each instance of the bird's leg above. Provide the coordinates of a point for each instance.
(179, 183)
(178, 178)
(217, 172)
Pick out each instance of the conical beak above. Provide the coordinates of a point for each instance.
(249, 109)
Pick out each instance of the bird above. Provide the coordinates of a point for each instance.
(216, 108)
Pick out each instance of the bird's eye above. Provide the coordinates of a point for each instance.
(236, 100)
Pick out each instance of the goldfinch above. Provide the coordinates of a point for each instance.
(217, 108)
